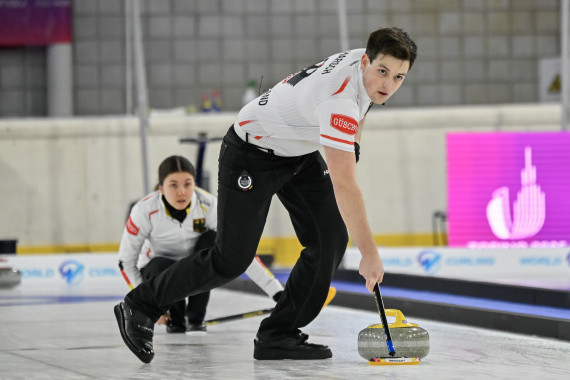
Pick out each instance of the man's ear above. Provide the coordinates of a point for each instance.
(364, 61)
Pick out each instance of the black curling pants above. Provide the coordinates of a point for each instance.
(303, 186)
(197, 304)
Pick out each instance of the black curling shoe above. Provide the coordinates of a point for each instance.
(293, 347)
(196, 328)
(175, 328)
(136, 330)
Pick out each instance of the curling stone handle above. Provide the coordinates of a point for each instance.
(400, 318)
(380, 305)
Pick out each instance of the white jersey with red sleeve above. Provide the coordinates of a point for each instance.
(151, 232)
(320, 105)
(151, 225)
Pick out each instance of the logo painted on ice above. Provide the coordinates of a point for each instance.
(430, 261)
(568, 258)
(528, 209)
(72, 271)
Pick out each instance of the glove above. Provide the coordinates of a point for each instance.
(357, 151)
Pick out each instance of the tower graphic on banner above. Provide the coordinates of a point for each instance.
(528, 209)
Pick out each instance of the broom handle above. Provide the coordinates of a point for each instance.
(382, 312)
(236, 317)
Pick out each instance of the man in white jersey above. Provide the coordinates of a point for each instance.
(273, 150)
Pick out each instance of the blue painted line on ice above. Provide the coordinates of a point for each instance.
(474, 302)
(451, 299)
(22, 300)
(283, 275)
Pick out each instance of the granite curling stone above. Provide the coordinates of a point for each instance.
(9, 277)
(410, 340)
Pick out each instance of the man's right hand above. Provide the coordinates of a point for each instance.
(372, 269)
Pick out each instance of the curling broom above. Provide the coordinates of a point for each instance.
(255, 313)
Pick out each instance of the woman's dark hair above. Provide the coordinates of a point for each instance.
(174, 164)
(392, 41)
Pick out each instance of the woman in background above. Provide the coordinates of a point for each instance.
(172, 223)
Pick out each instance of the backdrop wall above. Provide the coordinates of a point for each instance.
(66, 184)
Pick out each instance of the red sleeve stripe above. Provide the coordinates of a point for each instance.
(125, 276)
(245, 122)
(127, 280)
(260, 262)
(337, 139)
(343, 86)
(152, 212)
(264, 267)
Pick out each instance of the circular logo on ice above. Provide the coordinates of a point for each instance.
(72, 271)
(430, 261)
(568, 258)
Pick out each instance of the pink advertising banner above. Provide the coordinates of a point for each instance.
(508, 190)
(35, 22)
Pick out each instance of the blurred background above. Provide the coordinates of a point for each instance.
(470, 52)
(94, 94)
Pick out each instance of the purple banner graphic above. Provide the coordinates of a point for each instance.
(35, 22)
(508, 190)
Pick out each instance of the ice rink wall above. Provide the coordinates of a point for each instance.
(66, 184)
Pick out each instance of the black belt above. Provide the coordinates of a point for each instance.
(233, 139)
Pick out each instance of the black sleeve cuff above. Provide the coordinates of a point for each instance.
(357, 151)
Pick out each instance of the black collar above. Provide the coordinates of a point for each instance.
(179, 215)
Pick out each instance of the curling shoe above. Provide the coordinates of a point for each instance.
(136, 330)
(174, 328)
(294, 347)
(196, 328)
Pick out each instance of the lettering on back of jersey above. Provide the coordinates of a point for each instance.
(335, 62)
(343, 123)
(300, 75)
(132, 227)
(264, 98)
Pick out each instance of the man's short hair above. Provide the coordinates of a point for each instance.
(393, 41)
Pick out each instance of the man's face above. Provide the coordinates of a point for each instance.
(383, 76)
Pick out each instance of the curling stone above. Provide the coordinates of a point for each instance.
(409, 339)
(9, 277)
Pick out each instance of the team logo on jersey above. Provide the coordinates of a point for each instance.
(132, 227)
(343, 123)
(199, 225)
